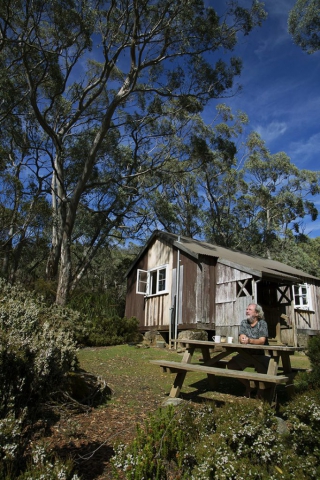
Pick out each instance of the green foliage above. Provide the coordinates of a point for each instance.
(302, 382)
(44, 466)
(96, 304)
(313, 353)
(303, 419)
(113, 331)
(161, 443)
(37, 350)
(61, 74)
(304, 25)
(106, 326)
(238, 441)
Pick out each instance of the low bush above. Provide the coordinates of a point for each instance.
(106, 325)
(98, 304)
(313, 352)
(113, 331)
(42, 465)
(234, 442)
(37, 350)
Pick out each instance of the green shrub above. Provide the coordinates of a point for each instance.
(106, 326)
(313, 352)
(44, 466)
(37, 350)
(113, 331)
(302, 382)
(160, 444)
(234, 442)
(97, 304)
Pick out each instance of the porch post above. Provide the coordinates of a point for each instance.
(293, 321)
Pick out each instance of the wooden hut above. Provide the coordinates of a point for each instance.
(178, 283)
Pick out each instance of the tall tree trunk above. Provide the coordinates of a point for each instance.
(17, 252)
(7, 251)
(53, 261)
(65, 274)
(54, 255)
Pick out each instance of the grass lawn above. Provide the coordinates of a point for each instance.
(134, 380)
(138, 388)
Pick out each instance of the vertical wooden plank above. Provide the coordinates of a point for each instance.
(180, 317)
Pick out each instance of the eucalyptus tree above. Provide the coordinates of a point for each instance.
(252, 200)
(197, 201)
(276, 200)
(24, 209)
(107, 82)
(221, 179)
(304, 25)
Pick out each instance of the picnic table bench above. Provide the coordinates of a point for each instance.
(214, 366)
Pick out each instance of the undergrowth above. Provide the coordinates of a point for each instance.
(242, 441)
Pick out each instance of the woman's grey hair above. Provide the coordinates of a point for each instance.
(259, 311)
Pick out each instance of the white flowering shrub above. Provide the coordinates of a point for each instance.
(36, 353)
(235, 442)
(36, 350)
(303, 419)
(43, 466)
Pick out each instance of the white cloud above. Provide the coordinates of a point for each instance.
(301, 152)
(271, 131)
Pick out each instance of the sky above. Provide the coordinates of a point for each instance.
(281, 91)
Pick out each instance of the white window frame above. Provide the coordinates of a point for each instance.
(152, 282)
(142, 282)
(302, 293)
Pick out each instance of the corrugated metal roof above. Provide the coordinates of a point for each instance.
(245, 261)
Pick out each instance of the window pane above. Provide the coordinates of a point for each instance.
(153, 282)
(142, 281)
(162, 280)
(301, 296)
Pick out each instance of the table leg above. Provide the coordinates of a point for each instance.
(179, 379)
(286, 363)
(273, 365)
(187, 356)
(268, 393)
(177, 385)
(212, 379)
(287, 370)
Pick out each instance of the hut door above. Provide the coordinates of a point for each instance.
(286, 328)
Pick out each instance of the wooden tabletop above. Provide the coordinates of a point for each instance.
(275, 348)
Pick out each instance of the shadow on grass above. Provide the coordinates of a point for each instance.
(89, 459)
(227, 390)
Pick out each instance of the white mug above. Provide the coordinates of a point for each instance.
(230, 339)
(216, 338)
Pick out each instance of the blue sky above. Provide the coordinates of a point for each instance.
(281, 91)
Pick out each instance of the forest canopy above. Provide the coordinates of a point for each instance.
(102, 138)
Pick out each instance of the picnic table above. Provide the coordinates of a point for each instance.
(213, 365)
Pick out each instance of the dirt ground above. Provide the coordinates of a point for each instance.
(89, 437)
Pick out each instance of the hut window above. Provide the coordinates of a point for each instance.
(152, 282)
(302, 297)
(142, 281)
